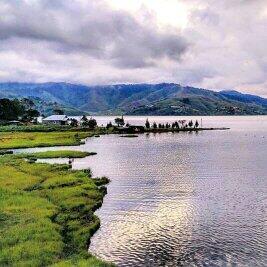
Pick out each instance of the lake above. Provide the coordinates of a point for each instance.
(182, 199)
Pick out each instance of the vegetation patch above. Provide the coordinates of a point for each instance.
(9, 140)
(47, 214)
(57, 154)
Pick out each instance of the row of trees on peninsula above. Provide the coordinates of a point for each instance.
(181, 124)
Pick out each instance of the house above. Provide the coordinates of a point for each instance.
(37, 120)
(56, 119)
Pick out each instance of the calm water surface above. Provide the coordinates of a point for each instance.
(183, 199)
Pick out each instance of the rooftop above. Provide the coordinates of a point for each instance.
(56, 118)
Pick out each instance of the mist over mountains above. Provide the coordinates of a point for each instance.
(136, 99)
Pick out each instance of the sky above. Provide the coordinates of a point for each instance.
(213, 44)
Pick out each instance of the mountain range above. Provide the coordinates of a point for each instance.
(135, 99)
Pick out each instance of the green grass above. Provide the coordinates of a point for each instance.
(34, 128)
(47, 213)
(9, 140)
(57, 154)
(42, 137)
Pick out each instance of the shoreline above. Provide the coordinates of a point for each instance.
(20, 139)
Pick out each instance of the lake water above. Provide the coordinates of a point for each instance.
(183, 199)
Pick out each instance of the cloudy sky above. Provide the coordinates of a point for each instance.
(215, 44)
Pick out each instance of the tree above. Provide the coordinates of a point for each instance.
(30, 114)
(73, 123)
(196, 124)
(84, 121)
(155, 125)
(147, 124)
(10, 109)
(92, 123)
(119, 121)
(183, 123)
(109, 125)
(190, 124)
(17, 109)
(177, 125)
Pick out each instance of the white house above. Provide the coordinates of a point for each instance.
(56, 119)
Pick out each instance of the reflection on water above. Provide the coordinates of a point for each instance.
(183, 199)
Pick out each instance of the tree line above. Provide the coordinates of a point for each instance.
(85, 122)
(15, 109)
(181, 124)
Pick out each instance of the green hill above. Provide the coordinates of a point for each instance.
(141, 99)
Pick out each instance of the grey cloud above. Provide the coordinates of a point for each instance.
(223, 45)
(94, 29)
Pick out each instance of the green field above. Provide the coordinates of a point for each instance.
(47, 212)
(57, 154)
(9, 140)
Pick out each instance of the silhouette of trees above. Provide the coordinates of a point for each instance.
(119, 121)
(196, 124)
(84, 121)
(155, 126)
(147, 124)
(30, 114)
(175, 125)
(17, 109)
(92, 123)
(190, 124)
(109, 125)
(73, 123)
(182, 122)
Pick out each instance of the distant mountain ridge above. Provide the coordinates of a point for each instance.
(139, 99)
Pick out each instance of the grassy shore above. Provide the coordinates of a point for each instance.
(57, 154)
(47, 212)
(9, 140)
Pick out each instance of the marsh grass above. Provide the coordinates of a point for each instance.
(43, 136)
(57, 154)
(9, 140)
(47, 213)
